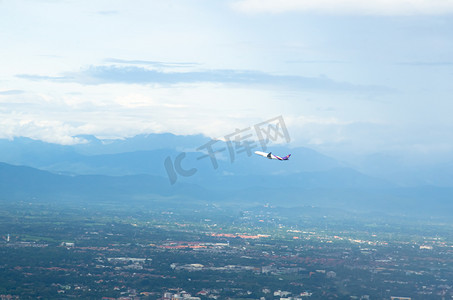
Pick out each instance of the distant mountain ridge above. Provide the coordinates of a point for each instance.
(305, 167)
(145, 154)
(134, 168)
(19, 183)
(25, 182)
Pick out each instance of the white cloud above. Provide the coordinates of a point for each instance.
(317, 131)
(137, 100)
(349, 7)
(46, 130)
(53, 112)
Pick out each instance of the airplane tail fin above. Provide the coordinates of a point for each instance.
(286, 157)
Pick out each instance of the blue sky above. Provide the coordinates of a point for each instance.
(349, 77)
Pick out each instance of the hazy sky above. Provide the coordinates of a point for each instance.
(348, 76)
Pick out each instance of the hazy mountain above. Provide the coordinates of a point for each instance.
(19, 182)
(405, 171)
(135, 168)
(145, 154)
(307, 168)
(29, 184)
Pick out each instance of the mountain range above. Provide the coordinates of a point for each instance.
(135, 168)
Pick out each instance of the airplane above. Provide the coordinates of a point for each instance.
(272, 156)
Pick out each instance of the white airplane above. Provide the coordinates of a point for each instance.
(272, 156)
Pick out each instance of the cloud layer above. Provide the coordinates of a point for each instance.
(118, 69)
(349, 7)
(11, 92)
(96, 75)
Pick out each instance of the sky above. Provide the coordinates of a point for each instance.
(349, 77)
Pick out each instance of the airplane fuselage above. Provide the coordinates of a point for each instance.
(272, 156)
